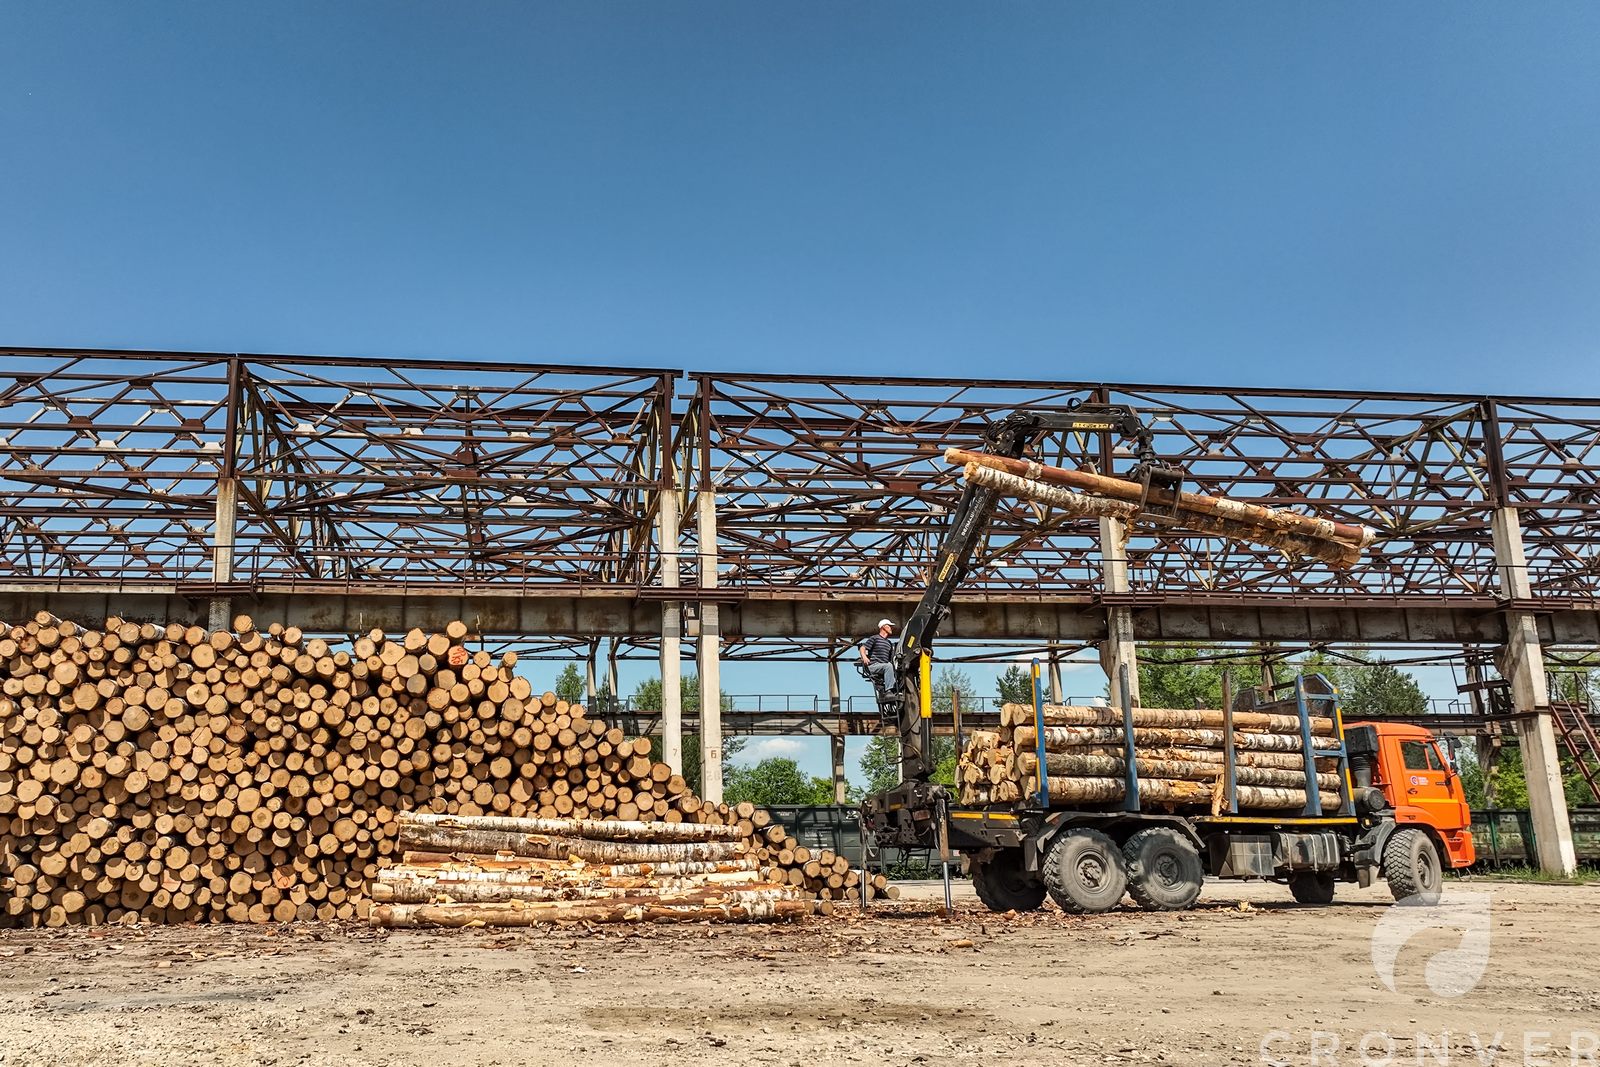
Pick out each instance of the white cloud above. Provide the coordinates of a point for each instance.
(772, 748)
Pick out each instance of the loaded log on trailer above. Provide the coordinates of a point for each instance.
(1084, 804)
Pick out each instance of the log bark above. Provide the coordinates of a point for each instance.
(1177, 793)
(590, 829)
(1073, 764)
(492, 842)
(1310, 526)
(1186, 718)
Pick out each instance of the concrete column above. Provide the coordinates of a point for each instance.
(836, 711)
(710, 655)
(222, 541)
(671, 635)
(1522, 664)
(611, 667)
(1057, 694)
(589, 685)
(1119, 649)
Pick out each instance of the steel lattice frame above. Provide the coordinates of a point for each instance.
(383, 475)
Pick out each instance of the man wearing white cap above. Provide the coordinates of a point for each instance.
(877, 656)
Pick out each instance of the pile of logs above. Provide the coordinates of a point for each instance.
(498, 871)
(1179, 755)
(170, 773)
(1077, 493)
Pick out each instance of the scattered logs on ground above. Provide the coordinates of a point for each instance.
(570, 870)
(1179, 755)
(170, 773)
(1077, 493)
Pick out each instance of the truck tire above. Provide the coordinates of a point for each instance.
(1164, 871)
(1411, 863)
(1312, 887)
(1084, 872)
(1003, 885)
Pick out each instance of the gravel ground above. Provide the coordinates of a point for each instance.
(903, 986)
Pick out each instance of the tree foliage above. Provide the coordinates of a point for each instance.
(1167, 681)
(775, 781)
(647, 697)
(569, 684)
(880, 763)
(1015, 685)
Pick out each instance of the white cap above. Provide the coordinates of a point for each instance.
(885, 622)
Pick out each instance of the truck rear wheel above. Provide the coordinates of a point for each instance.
(1003, 885)
(1411, 863)
(1312, 887)
(1164, 872)
(1084, 872)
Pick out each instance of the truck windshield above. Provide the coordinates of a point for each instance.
(1420, 756)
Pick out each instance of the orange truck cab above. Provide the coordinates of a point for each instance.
(1400, 767)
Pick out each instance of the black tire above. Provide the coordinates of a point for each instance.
(1003, 885)
(1312, 887)
(1084, 872)
(1164, 871)
(1411, 863)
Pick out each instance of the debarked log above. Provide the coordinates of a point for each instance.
(534, 869)
(1072, 764)
(757, 905)
(405, 889)
(1165, 791)
(591, 829)
(492, 842)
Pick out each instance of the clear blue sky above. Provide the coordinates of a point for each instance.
(1317, 194)
(1364, 195)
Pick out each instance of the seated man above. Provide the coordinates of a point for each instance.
(877, 657)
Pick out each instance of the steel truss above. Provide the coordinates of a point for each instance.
(394, 476)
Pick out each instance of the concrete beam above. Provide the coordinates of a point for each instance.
(333, 608)
(1522, 664)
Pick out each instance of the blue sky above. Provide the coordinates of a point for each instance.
(1361, 195)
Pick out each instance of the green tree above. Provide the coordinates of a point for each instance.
(1381, 689)
(775, 781)
(1176, 676)
(647, 697)
(880, 763)
(1015, 685)
(569, 684)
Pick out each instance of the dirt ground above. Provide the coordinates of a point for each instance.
(900, 987)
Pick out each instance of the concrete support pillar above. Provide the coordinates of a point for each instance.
(1522, 664)
(836, 713)
(222, 541)
(590, 688)
(611, 667)
(671, 634)
(710, 654)
(1057, 694)
(1119, 649)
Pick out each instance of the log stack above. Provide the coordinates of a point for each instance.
(1180, 756)
(500, 871)
(170, 773)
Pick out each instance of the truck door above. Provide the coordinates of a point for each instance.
(1425, 786)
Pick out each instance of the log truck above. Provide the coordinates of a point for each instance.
(1401, 813)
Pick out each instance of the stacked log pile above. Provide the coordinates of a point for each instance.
(500, 871)
(1077, 493)
(170, 773)
(1179, 755)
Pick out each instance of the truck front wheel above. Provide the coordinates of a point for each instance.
(1002, 884)
(1085, 872)
(1411, 863)
(1164, 872)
